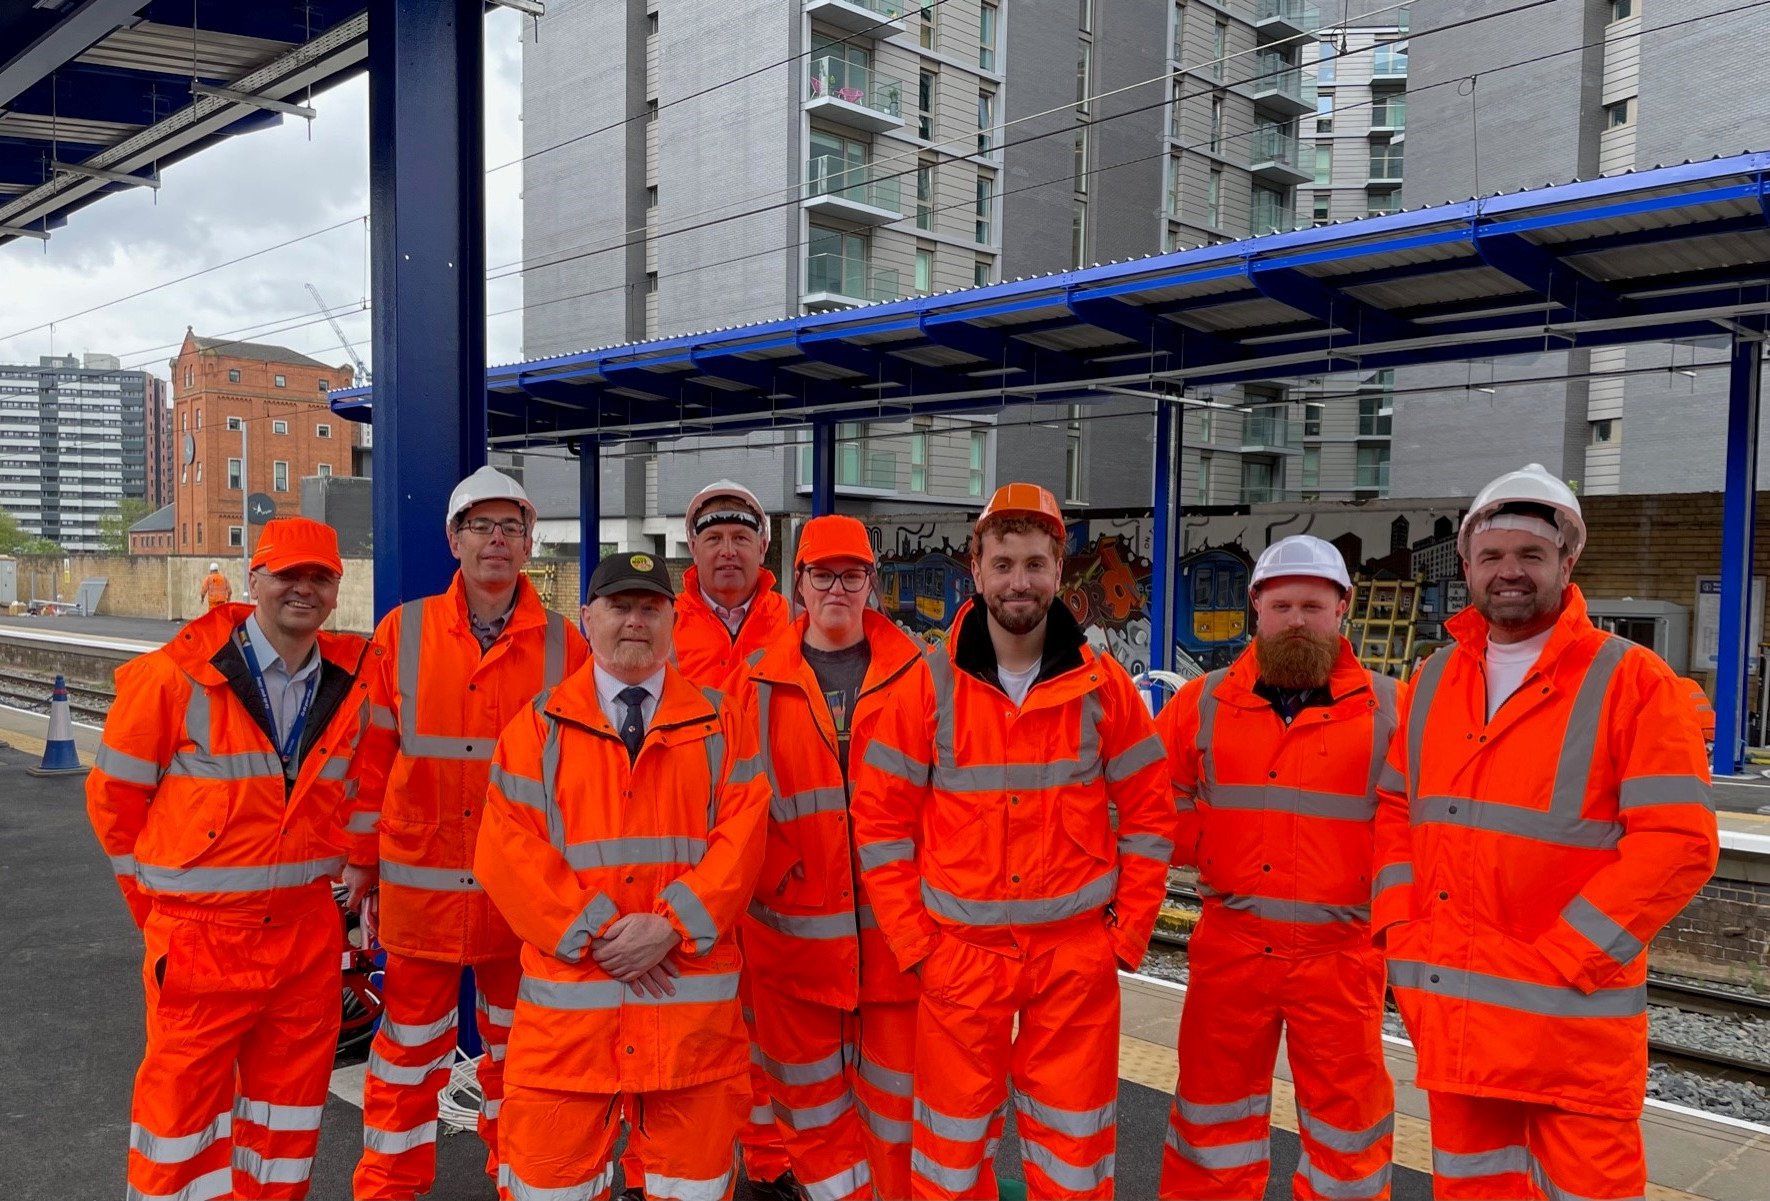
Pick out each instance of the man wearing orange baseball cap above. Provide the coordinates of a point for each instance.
(220, 795)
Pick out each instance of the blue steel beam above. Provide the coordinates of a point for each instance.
(426, 176)
(1165, 551)
(879, 366)
(1035, 363)
(1738, 535)
(823, 467)
(1546, 275)
(589, 452)
(1328, 305)
(1183, 347)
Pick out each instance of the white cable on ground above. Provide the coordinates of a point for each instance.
(458, 1103)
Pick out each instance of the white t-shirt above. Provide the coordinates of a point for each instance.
(1507, 665)
(1017, 683)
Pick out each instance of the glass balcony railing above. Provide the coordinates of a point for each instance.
(1389, 62)
(1266, 216)
(1293, 13)
(850, 276)
(1268, 429)
(828, 175)
(1272, 144)
(838, 79)
(890, 10)
(1274, 75)
(1392, 115)
(1386, 166)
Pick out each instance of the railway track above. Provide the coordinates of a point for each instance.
(1695, 997)
(25, 690)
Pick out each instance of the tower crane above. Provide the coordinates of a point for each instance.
(362, 372)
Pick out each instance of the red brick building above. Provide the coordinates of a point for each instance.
(276, 399)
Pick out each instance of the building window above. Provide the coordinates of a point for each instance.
(187, 383)
(235, 424)
(1386, 201)
(925, 27)
(986, 37)
(1373, 467)
(322, 430)
(924, 270)
(974, 472)
(279, 381)
(1207, 426)
(919, 461)
(1312, 420)
(1202, 487)
(1219, 48)
(325, 471)
(1385, 162)
(184, 475)
(1085, 16)
(199, 472)
(1084, 74)
(233, 375)
(199, 533)
(651, 112)
(279, 476)
(1324, 166)
(1214, 198)
(1323, 207)
(651, 196)
(1311, 467)
(183, 421)
(1324, 114)
(1616, 115)
(325, 385)
(925, 106)
(1216, 125)
(1603, 431)
(184, 533)
(1256, 482)
(1079, 170)
(980, 272)
(1174, 188)
(986, 187)
(235, 536)
(1179, 33)
(1621, 9)
(986, 120)
(925, 196)
(1375, 415)
(199, 419)
(279, 427)
(651, 24)
(233, 475)
(1078, 235)
(651, 283)
(1073, 478)
(1324, 62)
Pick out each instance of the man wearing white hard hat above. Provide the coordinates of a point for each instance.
(1274, 761)
(1545, 809)
(214, 591)
(457, 668)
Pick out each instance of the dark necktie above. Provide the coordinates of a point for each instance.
(633, 720)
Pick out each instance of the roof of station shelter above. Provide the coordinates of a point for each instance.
(1664, 254)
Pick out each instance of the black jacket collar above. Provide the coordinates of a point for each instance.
(975, 653)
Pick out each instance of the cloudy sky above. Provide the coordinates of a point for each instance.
(235, 198)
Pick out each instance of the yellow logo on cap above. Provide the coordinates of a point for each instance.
(641, 562)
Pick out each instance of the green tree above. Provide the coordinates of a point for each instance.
(113, 527)
(11, 537)
(41, 548)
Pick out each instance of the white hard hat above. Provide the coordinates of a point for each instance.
(735, 491)
(214, 567)
(1532, 485)
(1302, 554)
(488, 483)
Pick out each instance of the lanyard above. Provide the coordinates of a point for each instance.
(292, 744)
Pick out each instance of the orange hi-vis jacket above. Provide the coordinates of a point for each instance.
(1278, 818)
(216, 590)
(809, 932)
(575, 837)
(1524, 864)
(438, 706)
(993, 824)
(705, 651)
(188, 795)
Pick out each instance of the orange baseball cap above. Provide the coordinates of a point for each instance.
(297, 542)
(833, 537)
(1026, 500)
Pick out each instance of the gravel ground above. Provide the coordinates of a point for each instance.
(1741, 1037)
(1732, 1098)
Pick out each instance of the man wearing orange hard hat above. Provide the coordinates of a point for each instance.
(835, 1015)
(983, 813)
(221, 797)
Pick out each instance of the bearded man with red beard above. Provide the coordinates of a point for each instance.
(1274, 762)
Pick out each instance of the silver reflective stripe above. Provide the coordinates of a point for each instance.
(122, 865)
(827, 1068)
(1017, 777)
(693, 915)
(1467, 1165)
(1134, 759)
(679, 1188)
(885, 1129)
(1337, 1138)
(278, 1117)
(1221, 1156)
(1301, 913)
(381, 716)
(814, 925)
(362, 822)
(1148, 846)
(522, 790)
(1603, 930)
(272, 1171)
(1207, 717)
(1393, 876)
(496, 1051)
(1374, 1185)
(635, 852)
(335, 767)
(496, 1014)
(1419, 708)
(762, 1115)
(865, 915)
(489, 1109)
(553, 654)
(715, 757)
(589, 1190)
(127, 768)
(1390, 780)
(894, 762)
(1337, 806)
(1067, 1175)
(219, 1183)
(958, 1130)
(843, 1184)
(1079, 1123)
(1554, 827)
(408, 1035)
(813, 1117)
(1657, 790)
(877, 854)
(431, 879)
(885, 1079)
(746, 770)
(550, 775)
(574, 941)
(1085, 899)
(170, 1149)
(805, 804)
(411, 743)
(394, 1073)
(1547, 1000)
(1383, 723)
(238, 879)
(1579, 743)
(398, 1142)
(950, 1180)
(1554, 1192)
(609, 994)
(1194, 1113)
(247, 765)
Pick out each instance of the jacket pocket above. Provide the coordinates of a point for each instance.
(182, 829)
(787, 878)
(1085, 822)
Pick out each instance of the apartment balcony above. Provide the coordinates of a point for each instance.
(847, 94)
(1275, 20)
(1388, 119)
(1389, 67)
(852, 192)
(1385, 169)
(874, 18)
(1270, 434)
(1278, 85)
(1268, 217)
(1272, 157)
(840, 281)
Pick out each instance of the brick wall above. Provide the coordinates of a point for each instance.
(165, 586)
(1723, 935)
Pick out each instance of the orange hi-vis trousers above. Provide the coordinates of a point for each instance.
(841, 1085)
(413, 1053)
(242, 1025)
(765, 1155)
(1484, 1147)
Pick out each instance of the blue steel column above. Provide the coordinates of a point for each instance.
(589, 513)
(823, 468)
(1738, 533)
(427, 240)
(1165, 551)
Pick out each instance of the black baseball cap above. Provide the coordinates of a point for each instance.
(638, 572)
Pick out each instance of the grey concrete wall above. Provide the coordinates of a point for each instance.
(342, 502)
(1451, 441)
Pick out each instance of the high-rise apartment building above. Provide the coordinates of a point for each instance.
(73, 442)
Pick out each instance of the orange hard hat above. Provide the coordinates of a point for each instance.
(834, 536)
(296, 542)
(1026, 500)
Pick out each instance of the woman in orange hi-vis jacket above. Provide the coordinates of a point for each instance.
(1545, 809)
(221, 796)
(835, 1016)
(623, 833)
(983, 811)
(457, 668)
(1275, 760)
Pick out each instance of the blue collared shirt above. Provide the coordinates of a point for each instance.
(286, 688)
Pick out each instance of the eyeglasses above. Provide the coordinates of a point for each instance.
(853, 580)
(510, 527)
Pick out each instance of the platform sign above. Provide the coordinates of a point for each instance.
(260, 508)
(1708, 619)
